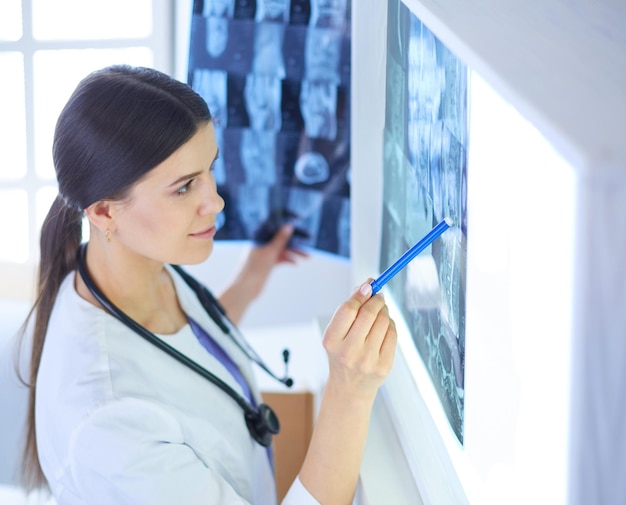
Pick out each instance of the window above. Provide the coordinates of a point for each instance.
(46, 47)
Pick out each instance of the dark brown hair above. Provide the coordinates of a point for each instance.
(119, 124)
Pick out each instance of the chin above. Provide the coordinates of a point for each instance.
(193, 257)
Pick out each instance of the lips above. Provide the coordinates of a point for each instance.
(208, 233)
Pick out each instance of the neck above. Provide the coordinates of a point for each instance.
(140, 287)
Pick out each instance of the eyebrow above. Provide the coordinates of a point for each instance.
(193, 174)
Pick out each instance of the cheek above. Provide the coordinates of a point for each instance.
(150, 223)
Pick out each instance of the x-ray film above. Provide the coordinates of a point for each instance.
(425, 175)
(276, 76)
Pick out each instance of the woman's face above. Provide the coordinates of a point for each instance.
(171, 212)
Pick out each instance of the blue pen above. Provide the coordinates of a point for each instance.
(403, 260)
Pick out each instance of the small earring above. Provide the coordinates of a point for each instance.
(107, 234)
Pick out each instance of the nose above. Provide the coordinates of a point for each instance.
(211, 202)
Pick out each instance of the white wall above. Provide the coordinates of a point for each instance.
(295, 293)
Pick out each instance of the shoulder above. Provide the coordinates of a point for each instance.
(74, 328)
(74, 365)
(69, 301)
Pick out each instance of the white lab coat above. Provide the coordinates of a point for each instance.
(121, 422)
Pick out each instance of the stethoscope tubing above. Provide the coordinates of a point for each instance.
(218, 315)
(261, 421)
(149, 336)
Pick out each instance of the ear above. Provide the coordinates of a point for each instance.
(100, 215)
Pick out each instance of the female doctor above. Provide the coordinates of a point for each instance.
(114, 419)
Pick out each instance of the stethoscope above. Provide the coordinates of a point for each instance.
(261, 420)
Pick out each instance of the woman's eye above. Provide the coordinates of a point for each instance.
(185, 189)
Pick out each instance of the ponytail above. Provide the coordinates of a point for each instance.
(59, 243)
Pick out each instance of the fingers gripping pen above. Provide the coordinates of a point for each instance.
(404, 260)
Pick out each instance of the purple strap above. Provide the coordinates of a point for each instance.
(218, 352)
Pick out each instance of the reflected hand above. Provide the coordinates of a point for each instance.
(263, 258)
(257, 267)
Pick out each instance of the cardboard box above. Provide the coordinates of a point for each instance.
(295, 412)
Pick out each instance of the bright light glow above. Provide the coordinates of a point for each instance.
(14, 225)
(521, 196)
(10, 20)
(91, 19)
(12, 118)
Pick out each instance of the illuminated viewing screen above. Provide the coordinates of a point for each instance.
(425, 180)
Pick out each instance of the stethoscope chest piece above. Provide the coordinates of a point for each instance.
(262, 424)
